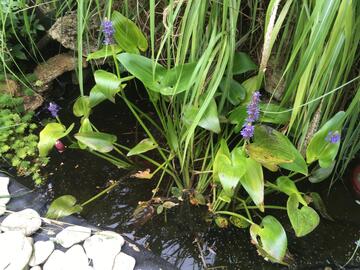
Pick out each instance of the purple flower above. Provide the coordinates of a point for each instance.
(248, 131)
(53, 109)
(108, 30)
(253, 108)
(333, 137)
(253, 113)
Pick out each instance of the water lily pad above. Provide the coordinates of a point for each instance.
(63, 206)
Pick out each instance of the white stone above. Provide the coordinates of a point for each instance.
(42, 250)
(36, 268)
(72, 235)
(75, 258)
(15, 250)
(56, 261)
(2, 210)
(27, 221)
(4, 183)
(102, 248)
(124, 262)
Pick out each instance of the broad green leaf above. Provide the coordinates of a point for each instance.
(96, 96)
(82, 106)
(320, 205)
(319, 174)
(275, 115)
(273, 240)
(142, 147)
(319, 148)
(223, 150)
(227, 174)
(107, 83)
(127, 35)
(85, 127)
(62, 207)
(49, 135)
(251, 85)
(237, 117)
(104, 52)
(210, 120)
(253, 182)
(155, 77)
(286, 185)
(236, 92)
(243, 63)
(98, 141)
(272, 148)
(303, 220)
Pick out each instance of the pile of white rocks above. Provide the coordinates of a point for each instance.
(74, 247)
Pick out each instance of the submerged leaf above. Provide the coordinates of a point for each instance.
(303, 220)
(63, 206)
(142, 174)
(142, 147)
(319, 174)
(273, 240)
(320, 205)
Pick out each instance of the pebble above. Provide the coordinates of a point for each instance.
(102, 248)
(56, 261)
(42, 250)
(2, 210)
(36, 268)
(4, 183)
(27, 221)
(124, 262)
(15, 250)
(75, 258)
(72, 235)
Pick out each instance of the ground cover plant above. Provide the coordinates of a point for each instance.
(230, 106)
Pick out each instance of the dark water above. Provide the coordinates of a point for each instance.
(172, 235)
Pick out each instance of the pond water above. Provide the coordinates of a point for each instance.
(179, 234)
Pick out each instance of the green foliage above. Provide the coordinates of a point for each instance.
(63, 206)
(18, 142)
(142, 147)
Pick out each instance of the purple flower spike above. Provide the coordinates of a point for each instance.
(253, 113)
(53, 109)
(333, 137)
(248, 131)
(108, 30)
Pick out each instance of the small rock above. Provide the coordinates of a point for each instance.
(102, 248)
(56, 261)
(15, 250)
(2, 210)
(36, 268)
(4, 192)
(72, 235)
(75, 258)
(42, 250)
(124, 262)
(27, 221)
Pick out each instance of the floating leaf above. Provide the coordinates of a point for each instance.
(273, 240)
(127, 35)
(303, 220)
(286, 185)
(243, 63)
(319, 148)
(82, 106)
(63, 206)
(49, 135)
(253, 182)
(142, 174)
(142, 147)
(98, 141)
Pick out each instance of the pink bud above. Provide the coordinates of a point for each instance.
(59, 146)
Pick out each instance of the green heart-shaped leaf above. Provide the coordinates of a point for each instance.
(63, 206)
(303, 220)
(107, 83)
(98, 141)
(82, 106)
(286, 185)
(273, 238)
(142, 147)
